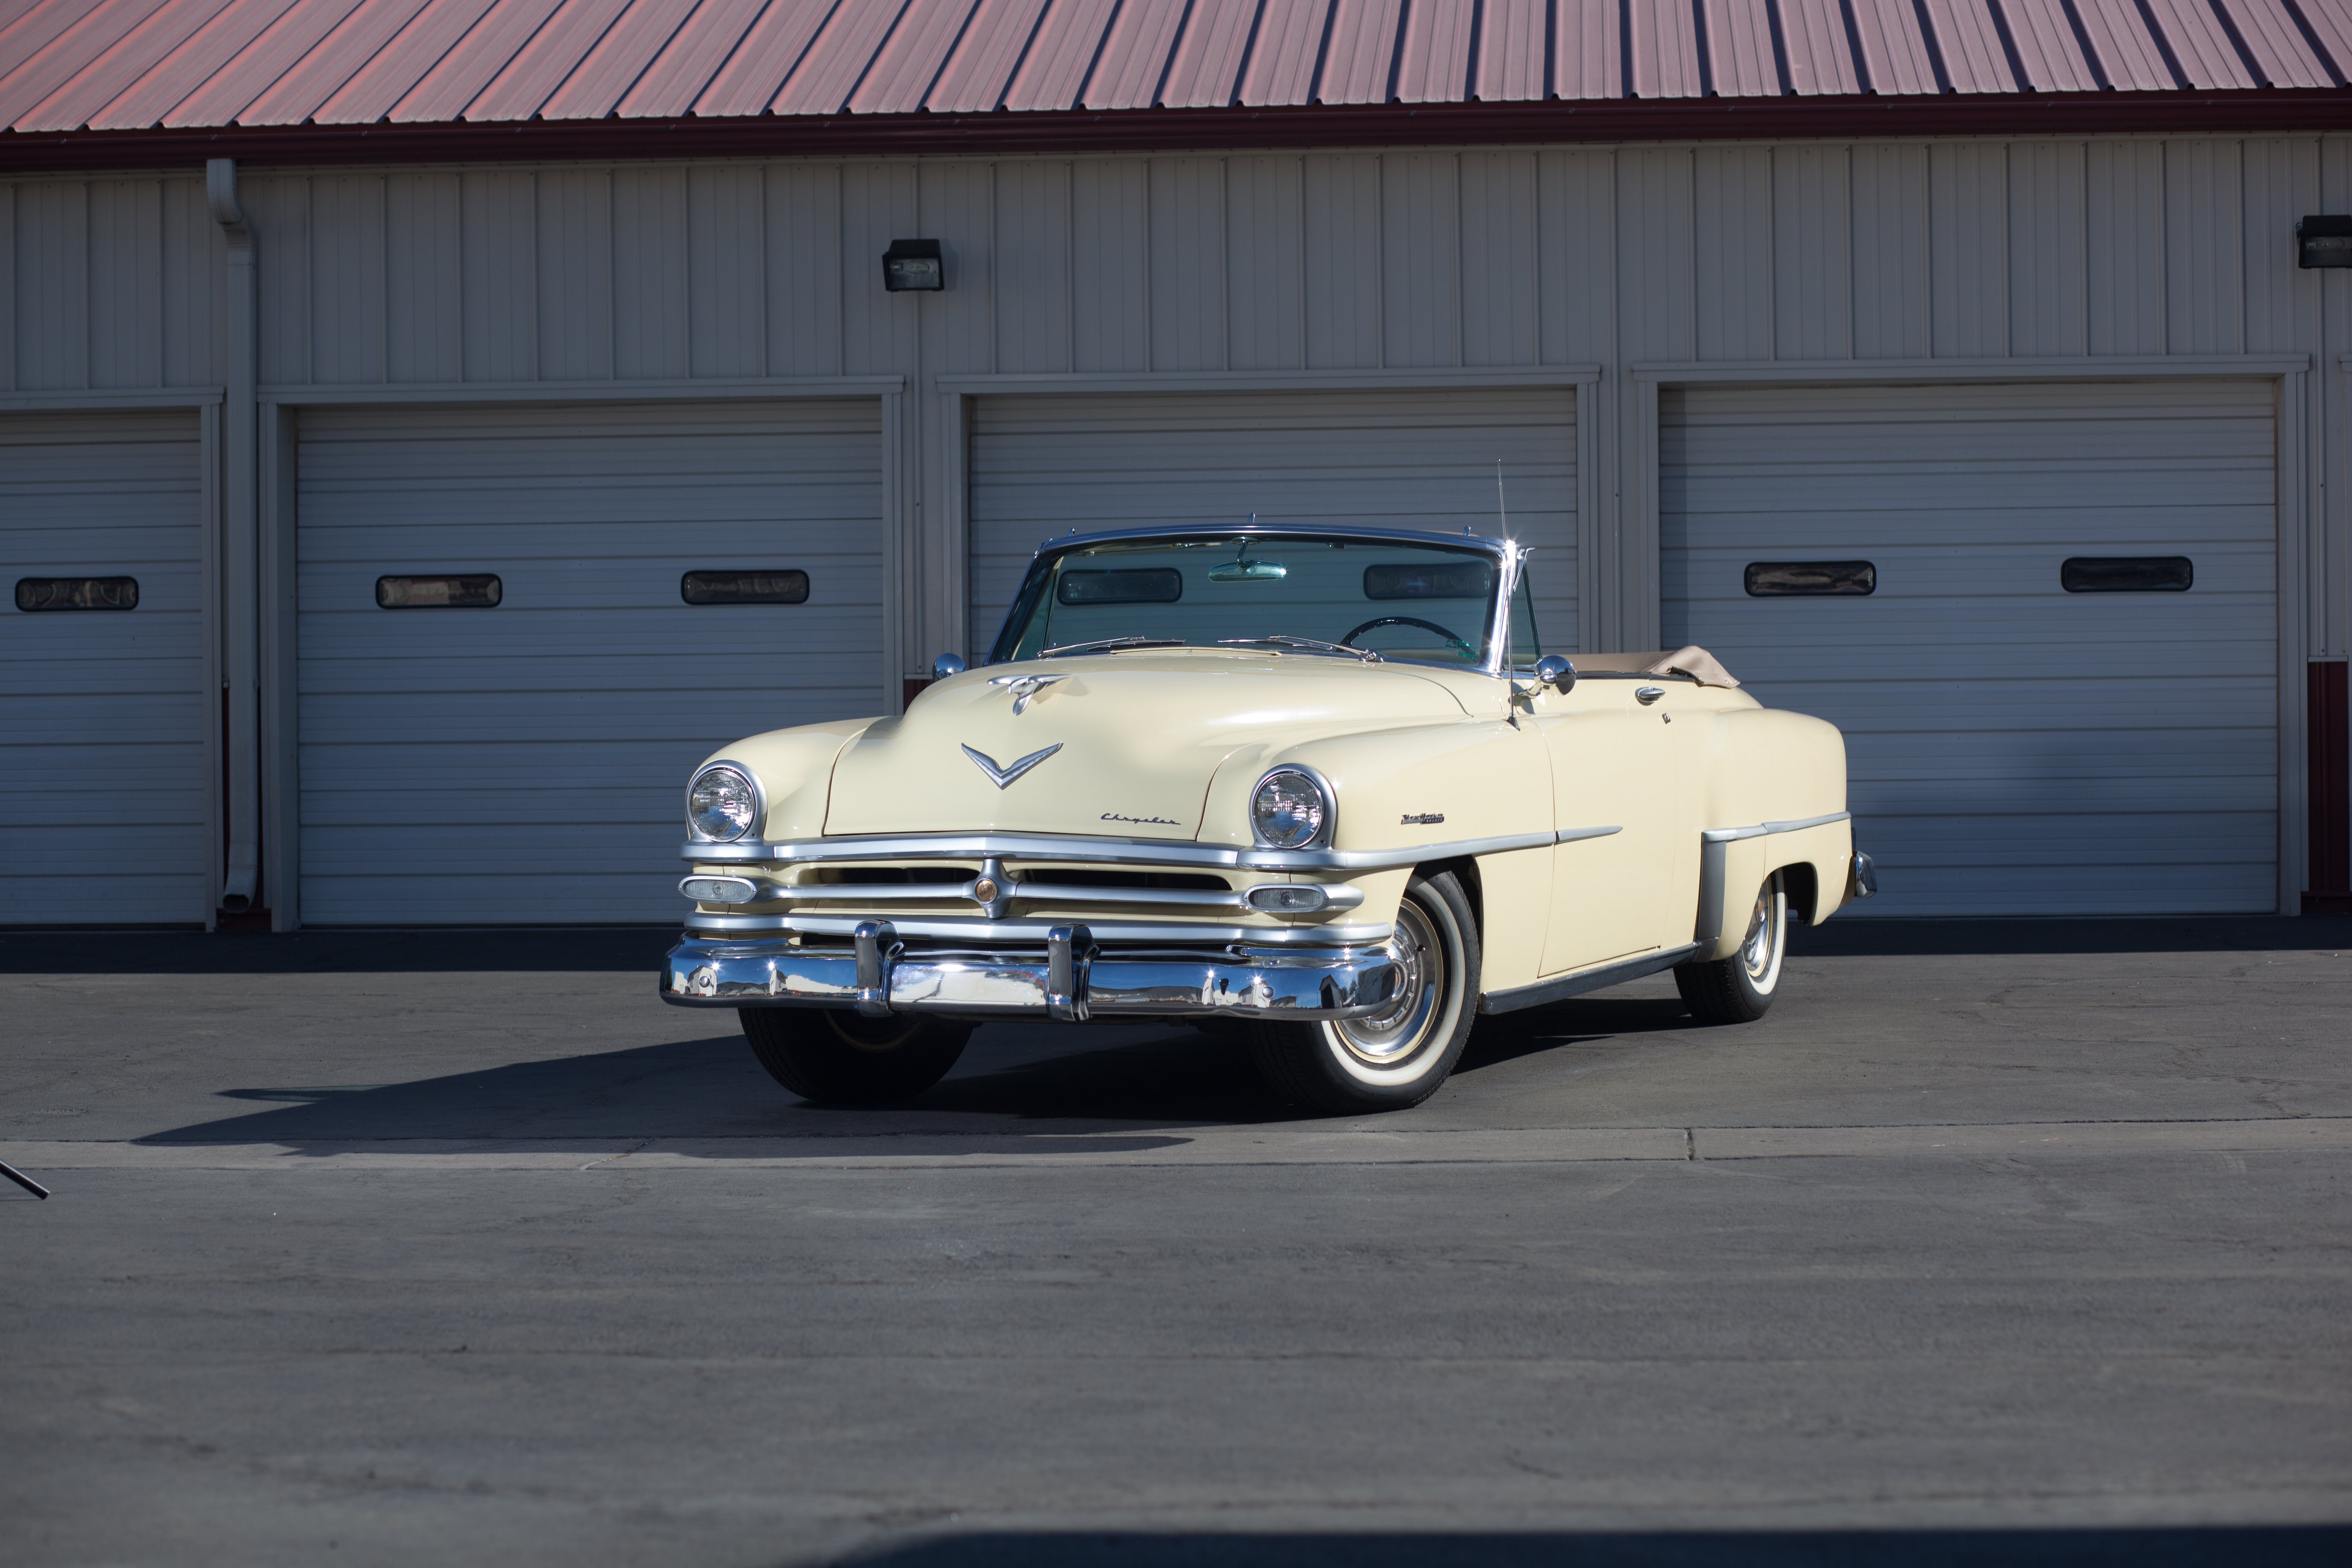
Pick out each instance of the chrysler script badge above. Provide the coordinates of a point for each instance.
(1001, 777)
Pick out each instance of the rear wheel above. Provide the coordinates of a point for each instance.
(1398, 1057)
(841, 1058)
(1738, 989)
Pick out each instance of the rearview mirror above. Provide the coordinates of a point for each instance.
(1556, 672)
(948, 664)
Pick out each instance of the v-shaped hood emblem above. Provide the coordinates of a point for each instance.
(1001, 777)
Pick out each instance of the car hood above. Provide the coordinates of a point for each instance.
(1120, 745)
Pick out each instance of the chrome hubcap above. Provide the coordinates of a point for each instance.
(1759, 950)
(1387, 1037)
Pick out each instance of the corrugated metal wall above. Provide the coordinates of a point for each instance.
(1242, 262)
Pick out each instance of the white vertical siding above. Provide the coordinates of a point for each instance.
(804, 286)
(499, 252)
(1343, 244)
(424, 323)
(1500, 259)
(1187, 257)
(1032, 225)
(2124, 244)
(1421, 274)
(574, 240)
(1576, 274)
(1265, 327)
(1403, 259)
(2046, 277)
(649, 313)
(52, 286)
(1110, 291)
(2204, 248)
(1731, 240)
(1968, 248)
(348, 286)
(726, 290)
(1812, 252)
(1891, 315)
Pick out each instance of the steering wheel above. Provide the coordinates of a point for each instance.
(1464, 648)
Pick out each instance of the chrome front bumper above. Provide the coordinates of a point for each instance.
(1071, 980)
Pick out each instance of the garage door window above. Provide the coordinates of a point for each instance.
(2126, 575)
(744, 587)
(77, 593)
(1809, 579)
(472, 592)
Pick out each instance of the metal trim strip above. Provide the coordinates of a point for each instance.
(986, 934)
(1582, 981)
(1712, 858)
(1132, 851)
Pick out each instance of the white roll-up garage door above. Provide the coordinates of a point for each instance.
(2016, 748)
(1047, 465)
(527, 761)
(102, 775)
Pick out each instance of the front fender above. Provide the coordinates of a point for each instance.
(794, 770)
(1477, 779)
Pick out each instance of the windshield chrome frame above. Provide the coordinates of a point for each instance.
(1509, 555)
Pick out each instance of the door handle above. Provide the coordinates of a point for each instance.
(1649, 694)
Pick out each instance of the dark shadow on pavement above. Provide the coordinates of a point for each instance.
(2257, 1546)
(711, 1088)
(1850, 935)
(1596, 1020)
(407, 950)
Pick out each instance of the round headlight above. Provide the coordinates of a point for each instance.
(721, 803)
(1289, 810)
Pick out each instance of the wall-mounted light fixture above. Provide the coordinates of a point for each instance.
(2324, 241)
(913, 264)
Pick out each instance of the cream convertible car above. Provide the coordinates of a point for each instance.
(1322, 787)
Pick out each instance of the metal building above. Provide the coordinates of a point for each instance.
(427, 428)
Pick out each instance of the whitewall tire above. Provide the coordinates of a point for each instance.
(1740, 989)
(1398, 1057)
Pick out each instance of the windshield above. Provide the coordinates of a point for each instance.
(1424, 603)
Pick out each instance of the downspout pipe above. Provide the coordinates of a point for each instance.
(240, 548)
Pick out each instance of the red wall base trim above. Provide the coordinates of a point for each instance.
(2328, 753)
(913, 688)
(2327, 903)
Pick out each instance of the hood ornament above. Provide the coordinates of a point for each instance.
(1003, 776)
(1025, 686)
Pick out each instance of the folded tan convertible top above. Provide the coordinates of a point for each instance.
(1692, 660)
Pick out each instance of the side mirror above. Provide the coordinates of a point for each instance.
(1556, 672)
(948, 664)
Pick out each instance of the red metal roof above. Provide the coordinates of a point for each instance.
(96, 66)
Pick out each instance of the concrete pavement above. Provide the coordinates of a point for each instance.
(380, 1247)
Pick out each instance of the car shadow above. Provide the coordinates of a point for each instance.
(1015, 1084)
(2194, 1546)
(1584, 1021)
(710, 1088)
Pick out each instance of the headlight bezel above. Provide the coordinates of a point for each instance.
(758, 802)
(1325, 830)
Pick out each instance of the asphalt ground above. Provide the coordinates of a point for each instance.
(1995, 1242)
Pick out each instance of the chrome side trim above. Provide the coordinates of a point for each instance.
(987, 933)
(1571, 834)
(1584, 980)
(1122, 851)
(1711, 858)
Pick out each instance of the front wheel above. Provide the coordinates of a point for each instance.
(1399, 1056)
(1738, 989)
(841, 1058)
